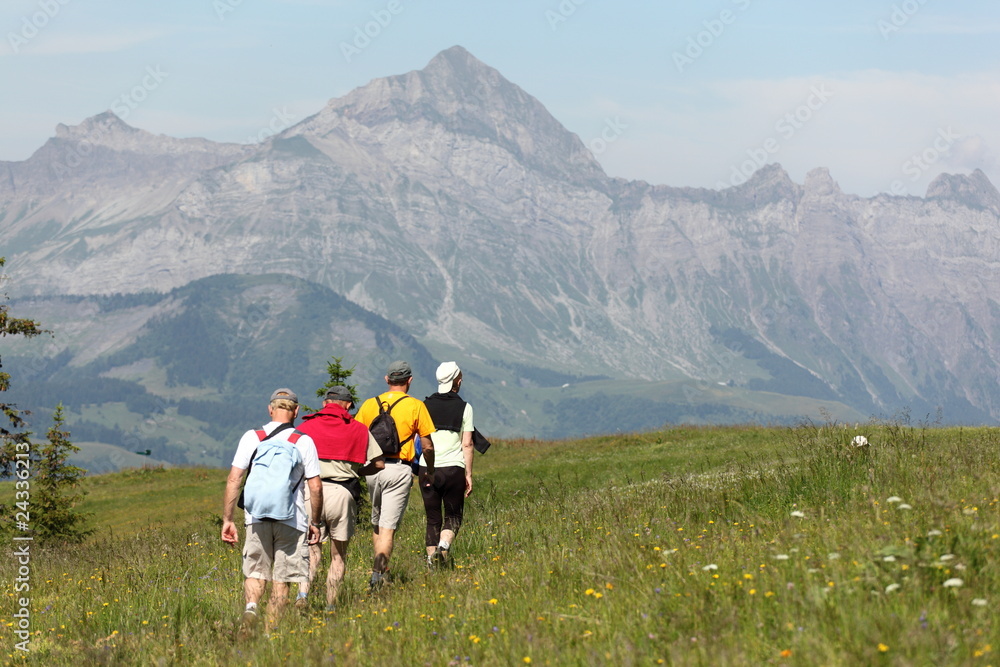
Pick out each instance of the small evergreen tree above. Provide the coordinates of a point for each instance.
(15, 444)
(338, 376)
(56, 488)
(12, 440)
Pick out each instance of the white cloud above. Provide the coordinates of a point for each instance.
(867, 131)
(62, 43)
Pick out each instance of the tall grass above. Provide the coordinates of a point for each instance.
(690, 546)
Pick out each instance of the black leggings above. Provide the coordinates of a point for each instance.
(448, 489)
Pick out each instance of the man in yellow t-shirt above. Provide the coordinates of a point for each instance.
(389, 489)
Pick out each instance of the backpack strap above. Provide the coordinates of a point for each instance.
(391, 406)
(294, 439)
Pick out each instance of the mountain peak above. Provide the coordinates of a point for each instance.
(770, 183)
(819, 181)
(97, 129)
(974, 190)
(459, 61)
(461, 95)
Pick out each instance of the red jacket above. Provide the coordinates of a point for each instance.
(338, 436)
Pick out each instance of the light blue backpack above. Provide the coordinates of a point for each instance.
(269, 492)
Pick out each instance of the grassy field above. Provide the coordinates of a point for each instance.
(691, 546)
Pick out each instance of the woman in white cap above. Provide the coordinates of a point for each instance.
(452, 462)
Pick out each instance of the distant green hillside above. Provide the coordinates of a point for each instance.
(175, 378)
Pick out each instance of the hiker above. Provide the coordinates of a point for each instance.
(281, 462)
(346, 450)
(453, 463)
(389, 489)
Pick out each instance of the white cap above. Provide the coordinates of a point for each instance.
(446, 374)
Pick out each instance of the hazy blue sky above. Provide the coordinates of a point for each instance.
(884, 94)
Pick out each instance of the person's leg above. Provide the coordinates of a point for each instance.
(315, 554)
(315, 558)
(258, 560)
(338, 565)
(395, 494)
(375, 497)
(432, 508)
(291, 565)
(342, 512)
(253, 591)
(277, 602)
(383, 548)
(453, 496)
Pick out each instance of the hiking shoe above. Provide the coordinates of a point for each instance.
(302, 604)
(377, 581)
(247, 623)
(439, 559)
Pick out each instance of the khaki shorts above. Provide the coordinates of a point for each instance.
(339, 513)
(389, 490)
(274, 551)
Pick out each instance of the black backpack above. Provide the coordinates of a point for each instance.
(383, 429)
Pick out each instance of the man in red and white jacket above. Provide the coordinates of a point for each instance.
(346, 450)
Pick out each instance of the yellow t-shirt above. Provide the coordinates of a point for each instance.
(410, 415)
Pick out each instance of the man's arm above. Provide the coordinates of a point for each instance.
(376, 461)
(229, 534)
(316, 507)
(373, 466)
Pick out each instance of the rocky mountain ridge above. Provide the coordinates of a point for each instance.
(450, 202)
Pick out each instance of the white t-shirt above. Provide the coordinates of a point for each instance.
(310, 466)
(448, 444)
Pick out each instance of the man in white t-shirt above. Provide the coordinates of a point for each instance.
(275, 550)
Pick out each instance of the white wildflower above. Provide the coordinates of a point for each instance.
(892, 587)
(946, 557)
(894, 499)
(781, 557)
(860, 441)
(979, 602)
(710, 566)
(798, 514)
(889, 559)
(904, 506)
(934, 533)
(833, 556)
(954, 582)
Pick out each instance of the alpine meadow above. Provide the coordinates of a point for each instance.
(711, 546)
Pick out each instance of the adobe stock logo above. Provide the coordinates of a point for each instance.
(613, 128)
(786, 127)
(562, 13)
(30, 26)
(223, 7)
(129, 101)
(698, 43)
(280, 121)
(900, 16)
(363, 35)
(918, 163)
